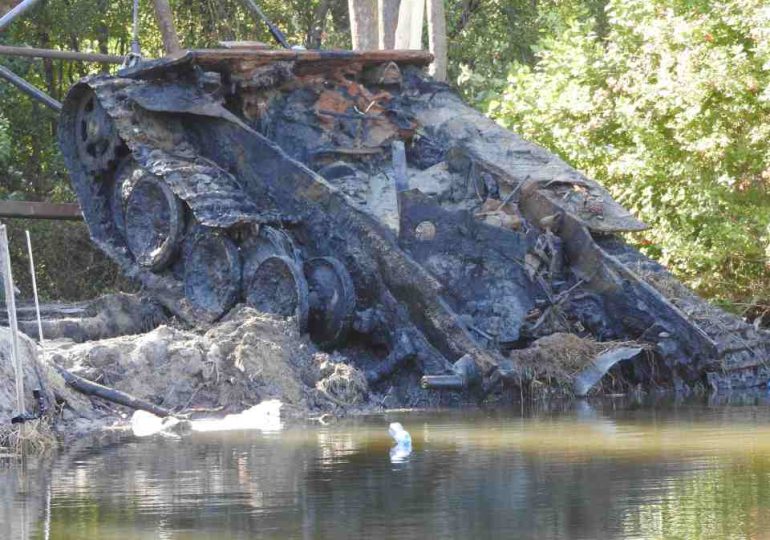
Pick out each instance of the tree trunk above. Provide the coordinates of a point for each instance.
(388, 11)
(411, 15)
(437, 39)
(317, 25)
(363, 24)
(103, 34)
(90, 388)
(166, 25)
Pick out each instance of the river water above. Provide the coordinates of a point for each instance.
(607, 469)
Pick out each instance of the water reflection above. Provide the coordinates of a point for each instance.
(664, 471)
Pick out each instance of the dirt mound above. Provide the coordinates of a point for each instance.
(37, 375)
(244, 359)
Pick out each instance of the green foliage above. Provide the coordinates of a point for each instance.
(68, 265)
(485, 36)
(5, 145)
(671, 110)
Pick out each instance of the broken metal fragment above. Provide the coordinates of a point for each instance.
(465, 376)
(598, 368)
(332, 300)
(384, 74)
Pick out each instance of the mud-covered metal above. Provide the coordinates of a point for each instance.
(394, 222)
(94, 134)
(332, 299)
(277, 286)
(152, 219)
(211, 273)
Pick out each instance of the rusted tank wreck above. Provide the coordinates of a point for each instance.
(350, 191)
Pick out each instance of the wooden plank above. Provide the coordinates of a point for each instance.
(40, 210)
(247, 45)
(374, 57)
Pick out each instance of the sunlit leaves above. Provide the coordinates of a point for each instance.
(670, 110)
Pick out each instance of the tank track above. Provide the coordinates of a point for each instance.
(186, 229)
(205, 212)
(742, 350)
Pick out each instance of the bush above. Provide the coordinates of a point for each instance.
(671, 111)
(68, 266)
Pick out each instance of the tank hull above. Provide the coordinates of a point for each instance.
(352, 192)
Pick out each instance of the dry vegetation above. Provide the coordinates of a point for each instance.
(555, 360)
(35, 437)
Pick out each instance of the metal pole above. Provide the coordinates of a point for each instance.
(274, 30)
(135, 48)
(34, 289)
(40, 393)
(40, 210)
(28, 89)
(166, 25)
(20, 8)
(10, 303)
(30, 52)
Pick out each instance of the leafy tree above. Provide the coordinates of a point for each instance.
(671, 110)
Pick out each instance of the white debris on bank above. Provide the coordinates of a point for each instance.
(145, 424)
(265, 416)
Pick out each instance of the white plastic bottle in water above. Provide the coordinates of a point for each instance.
(403, 446)
(399, 434)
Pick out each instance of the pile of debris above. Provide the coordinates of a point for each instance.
(394, 223)
(244, 359)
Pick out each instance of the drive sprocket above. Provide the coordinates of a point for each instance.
(96, 139)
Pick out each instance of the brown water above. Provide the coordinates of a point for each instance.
(607, 470)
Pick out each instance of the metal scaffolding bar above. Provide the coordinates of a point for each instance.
(39, 210)
(29, 52)
(29, 89)
(10, 304)
(34, 288)
(15, 12)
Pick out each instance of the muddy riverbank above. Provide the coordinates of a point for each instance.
(244, 359)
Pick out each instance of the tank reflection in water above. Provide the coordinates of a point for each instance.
(600, 471)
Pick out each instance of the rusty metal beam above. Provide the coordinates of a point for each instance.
(29, 89)
(16, 12)
(30, 52)
(39, 210)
